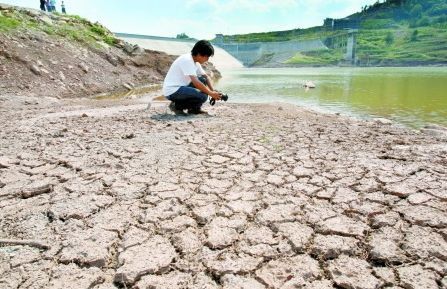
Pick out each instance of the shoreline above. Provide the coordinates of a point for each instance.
(106, 193)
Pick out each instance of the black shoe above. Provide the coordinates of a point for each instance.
(175, 110)
(197, 111)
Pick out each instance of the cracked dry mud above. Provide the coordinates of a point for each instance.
(102, 194)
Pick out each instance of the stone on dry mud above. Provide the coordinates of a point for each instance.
(344, 226)
(89, 248)
(298, 234)
(173, 280)
(385, 245)
(124, 191)
(419, 198)
(345, 195)
(164, 210)
(299, 270)
(353, 273)
(240, 282)
(21, 255)
(135, 236)
(244, 207)
(220, 237)
(386, 219)
(205, 213)
(260, 235)
(188, 241)
(403, 189)
(222, 263)
(331, 246)
(386, 275)
(203, 281)
(178, 224)
(424, 216)
(153, 256)
(412, 277)
(259, 250)
(117, 218)
(319, 284)
(72, 277)
(81, 207)
(278, 213)
(37, 188)
(423, 243)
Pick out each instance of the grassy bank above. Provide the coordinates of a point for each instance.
(58, 25)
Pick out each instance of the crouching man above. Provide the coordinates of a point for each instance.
(186, 84)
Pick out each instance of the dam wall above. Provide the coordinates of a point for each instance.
(222, 59)
(229, 54)
(250, 53)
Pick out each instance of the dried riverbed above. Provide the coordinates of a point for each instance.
(107, 194)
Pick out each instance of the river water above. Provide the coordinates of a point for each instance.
(413, 96)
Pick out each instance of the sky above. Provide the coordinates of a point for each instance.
(202, 19)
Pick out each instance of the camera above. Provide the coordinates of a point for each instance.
(223, 97)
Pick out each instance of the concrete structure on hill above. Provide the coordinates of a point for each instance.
(344, 23)
(235, 55)
(269, 53)
(221, 59)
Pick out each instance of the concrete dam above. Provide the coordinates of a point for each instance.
(269, 53)
(229, 55)
(221, 59)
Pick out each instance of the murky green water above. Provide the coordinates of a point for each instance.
(412, 96)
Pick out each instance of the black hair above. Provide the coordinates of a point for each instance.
(203, 47)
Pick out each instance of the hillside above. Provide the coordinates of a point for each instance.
(394, 33)
(45, 54)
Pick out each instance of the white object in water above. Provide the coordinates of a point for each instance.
(309, 84)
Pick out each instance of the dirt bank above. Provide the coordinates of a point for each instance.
(101, 194)
(44, 54)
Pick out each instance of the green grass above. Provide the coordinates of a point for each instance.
(317, 57)
(7, 23)
(73, 27)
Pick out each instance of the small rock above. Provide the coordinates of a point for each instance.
(344, 226)
(4, 162)
(383, 121)
(35, 70)
(353, 273)
(298, 234)
(129, 136)
(416, 277)
(61, 75)
(153, 256)
(385, 274)
(127, 86)
(84, 67)
(424, 243)
(240, 282)
(36, 188)
(301, 269)
(331, 246)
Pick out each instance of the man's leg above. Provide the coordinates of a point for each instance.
(188, 98)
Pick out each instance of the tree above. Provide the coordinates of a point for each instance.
(416, 11)
(414, 35)
(389, 39)
(182, 36)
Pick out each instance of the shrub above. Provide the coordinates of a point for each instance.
(414, 35)
(389, 39)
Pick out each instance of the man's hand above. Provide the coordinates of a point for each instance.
(215, 95)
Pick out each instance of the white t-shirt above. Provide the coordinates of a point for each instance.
(179, 72)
